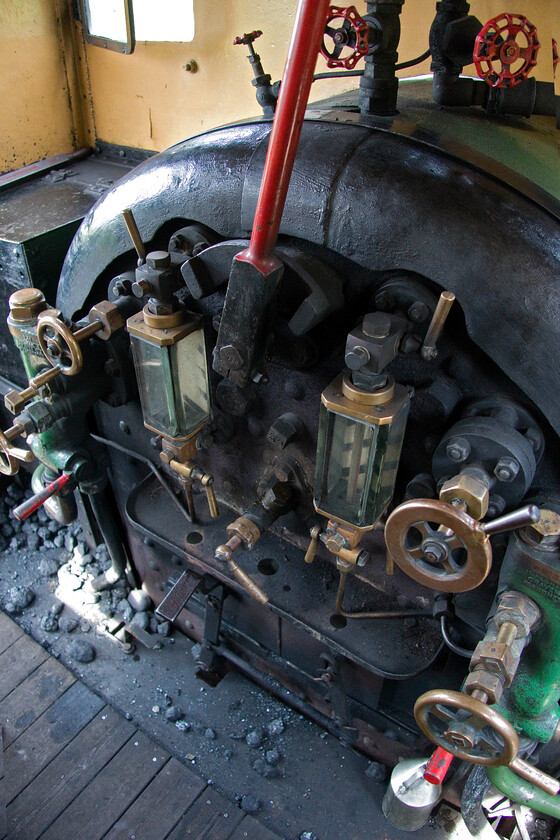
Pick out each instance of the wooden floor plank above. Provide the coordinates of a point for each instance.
(18, 661)
(160, 806)
(111, 793)
(3, 821)
(250, 829)
(45, 738)
(42, 801)
(32, 697)
(211, 817)
(9, 632)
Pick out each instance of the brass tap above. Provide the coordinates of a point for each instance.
(241, 532)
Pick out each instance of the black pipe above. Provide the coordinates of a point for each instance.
(111, 536)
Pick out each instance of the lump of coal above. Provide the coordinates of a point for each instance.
(49, 623)
(173, 713)
(17, 599)
(272, 757)
(254, 738)
(80, 651)
(276, 727)
(142, 620)
(48, 567)
(67, 624)
(210, 734)
(376, 771)
(139, 601)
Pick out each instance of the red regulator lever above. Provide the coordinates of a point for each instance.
(505, 50)
(349, 34)
(555, 57)
(437, 766)
(31, 505)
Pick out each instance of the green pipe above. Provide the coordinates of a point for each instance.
(518, 790)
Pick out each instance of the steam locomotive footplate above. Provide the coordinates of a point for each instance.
(391, 648)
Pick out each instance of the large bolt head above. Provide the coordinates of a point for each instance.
(158, 259)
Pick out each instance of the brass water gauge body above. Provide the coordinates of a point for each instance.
(358, 450)
(170, 360)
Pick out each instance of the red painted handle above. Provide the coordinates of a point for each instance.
(309, 26)
(30, 506)
(437, 766)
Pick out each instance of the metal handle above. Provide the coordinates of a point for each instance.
(437, 766)
(510, 521)
(31, 505)
(134, 234)
(444, 304)
(313, 545)
(207, 481)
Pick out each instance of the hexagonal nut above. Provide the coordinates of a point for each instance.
(468, 489)
(458, 449)
(496, 658)
(480, 680)
(14, 402)
(518, 609)
(507, 469)
(545, 532)
(109, 315)
(25, 304)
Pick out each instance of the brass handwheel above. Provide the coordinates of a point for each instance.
(466, 727)
(58, 343)
(438, 545)
(10, 456)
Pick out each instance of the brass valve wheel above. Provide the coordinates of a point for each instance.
(58, 344)
(438, 545)
(10, 455)
(466, 727)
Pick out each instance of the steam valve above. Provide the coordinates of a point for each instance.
(352, 34)
(506, 50)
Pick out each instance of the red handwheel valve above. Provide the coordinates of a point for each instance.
(437, 766)
(31, 505)
(505, 50)
(350, 37)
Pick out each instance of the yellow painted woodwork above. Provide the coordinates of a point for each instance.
(59, 94)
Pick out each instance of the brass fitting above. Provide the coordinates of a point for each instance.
(109, 316)
(518, 609)
(468, 489)
(496, 658)
(15, 401)
(490, 684)
(245, 530)
(344, 542)
(189, 473)
(546, 532)
(25, 305)
(244, 533)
